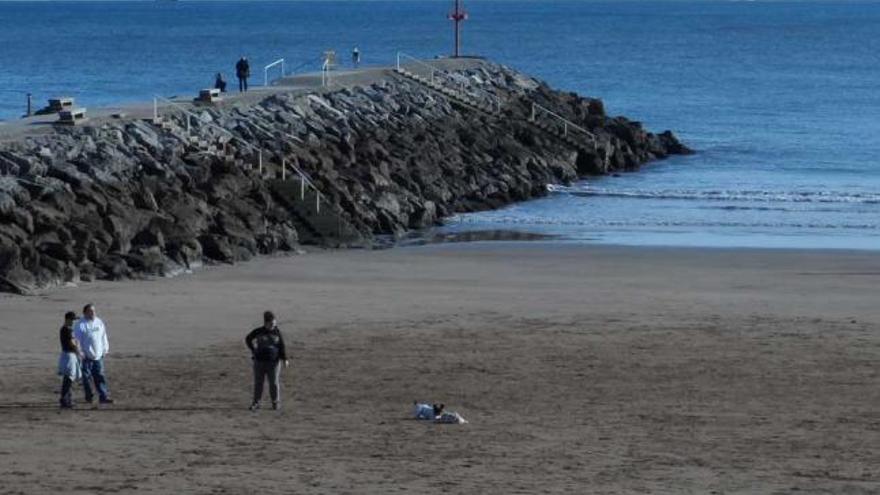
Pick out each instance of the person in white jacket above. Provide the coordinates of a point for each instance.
(92, 337)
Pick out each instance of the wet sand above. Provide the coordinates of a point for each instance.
(581, 370)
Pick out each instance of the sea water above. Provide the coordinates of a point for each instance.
(781, 100)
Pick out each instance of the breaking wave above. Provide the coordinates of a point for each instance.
(751, 196)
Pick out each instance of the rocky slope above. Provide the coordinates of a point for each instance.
(130, 198)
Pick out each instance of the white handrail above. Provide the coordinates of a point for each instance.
(295, 138)
(190, 115)
(410, 57)
(325, 74)
(304, 178)
(266, 70)
(456, 84)
(565, 122)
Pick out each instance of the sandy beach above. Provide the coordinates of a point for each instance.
(581, 370)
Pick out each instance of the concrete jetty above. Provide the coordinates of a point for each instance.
(369, 154)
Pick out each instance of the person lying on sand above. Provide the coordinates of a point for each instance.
(436, 413)
(426, 411)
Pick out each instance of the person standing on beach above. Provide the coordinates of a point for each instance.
(267, 351)
(92, 336)
(68, 361)
(243, 72)
(356, 57)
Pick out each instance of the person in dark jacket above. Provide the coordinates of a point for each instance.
(220, 83)
(69, 360)
(243, 72)
(267, 349)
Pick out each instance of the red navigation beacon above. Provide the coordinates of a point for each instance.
(457, 16)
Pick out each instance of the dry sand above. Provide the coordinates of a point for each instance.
(581, 370)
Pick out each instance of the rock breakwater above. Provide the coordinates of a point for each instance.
(128, 198)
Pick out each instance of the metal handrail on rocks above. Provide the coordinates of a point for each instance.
(457, 85)
(304, 178)
(190, 115)
(326, 81)
(266, 70)
(401, 55)
(566, 124)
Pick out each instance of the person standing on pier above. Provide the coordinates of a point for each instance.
(243, 72)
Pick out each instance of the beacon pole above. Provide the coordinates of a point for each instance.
(457, 16)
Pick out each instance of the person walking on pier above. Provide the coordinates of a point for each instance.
(243, 72)
(268, 353)
(91, 334)
(68, 361)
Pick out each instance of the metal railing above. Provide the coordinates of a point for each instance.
(566, 124)
(190, 115)
(436, 75)
(266, 70)
(305, 179)
(432, 70)
(325, 74)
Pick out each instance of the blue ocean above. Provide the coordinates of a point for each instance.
(781, 100)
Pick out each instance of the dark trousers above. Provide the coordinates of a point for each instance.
(66, 398)
(242, 84)
(262, 371)
(93, 371)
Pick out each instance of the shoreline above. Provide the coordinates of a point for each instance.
(449, 233)
(489, 247)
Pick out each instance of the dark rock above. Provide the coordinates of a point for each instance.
(150, 237)
(217, 248)
(673, 145)
(112, 267)
(59, 250)
(589, 163)
(185, 251)
(146, 260)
